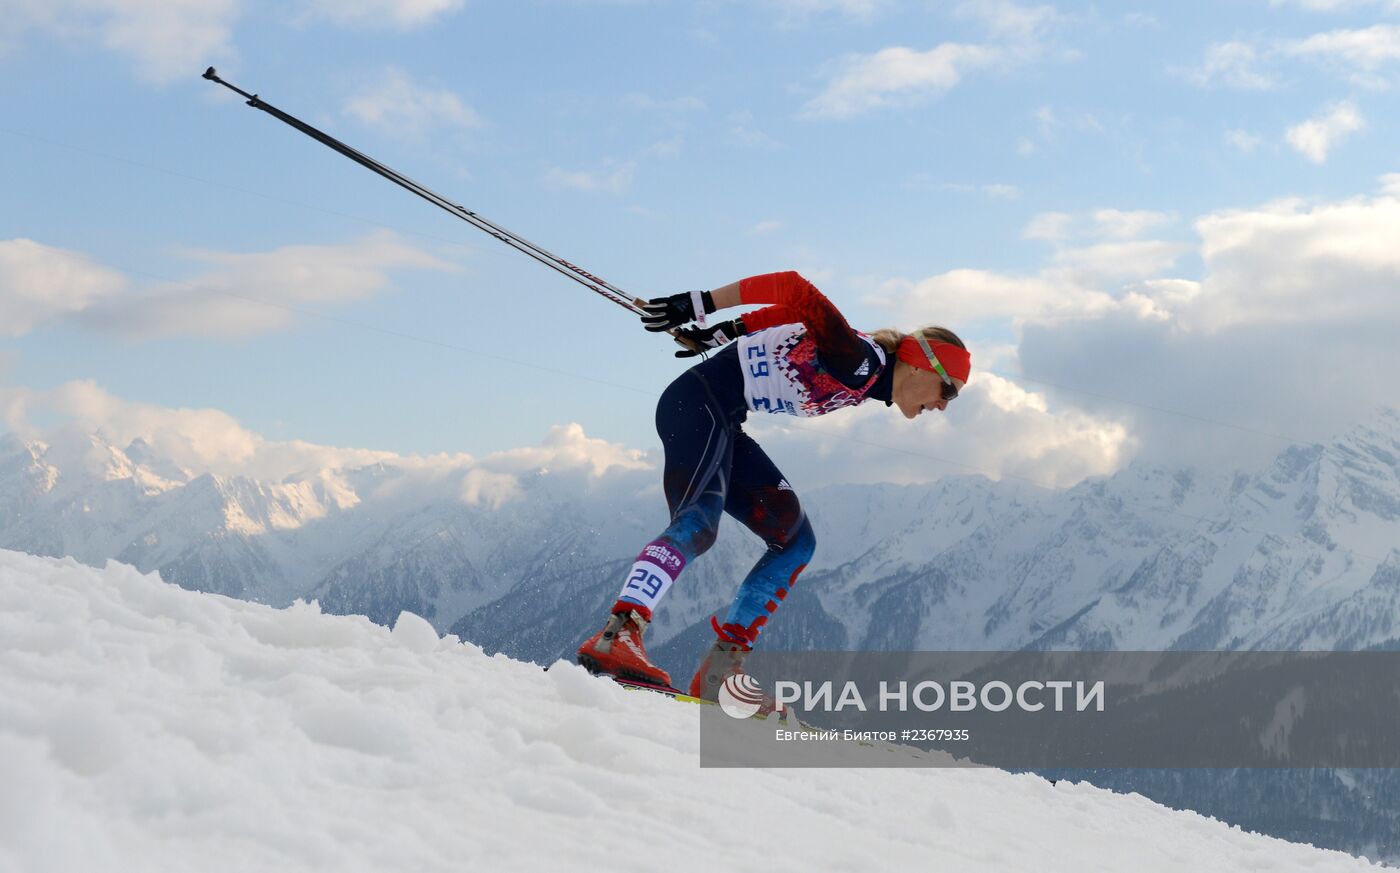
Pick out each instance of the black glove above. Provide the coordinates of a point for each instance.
(707, 338)
(664, 313)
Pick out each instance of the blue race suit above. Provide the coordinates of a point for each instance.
(712, 466)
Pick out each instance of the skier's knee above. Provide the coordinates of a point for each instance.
(778, 518)
(797, 544)
(802, 544)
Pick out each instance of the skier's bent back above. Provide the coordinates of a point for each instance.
(796, 356)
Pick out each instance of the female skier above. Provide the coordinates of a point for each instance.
(796, 356)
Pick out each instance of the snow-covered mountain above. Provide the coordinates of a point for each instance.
(372, 539)
(149, 728)
(1299, 555)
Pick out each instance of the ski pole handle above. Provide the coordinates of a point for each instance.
(675, 333)
(688, 343)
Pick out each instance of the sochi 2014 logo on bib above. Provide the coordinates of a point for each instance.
(740, 696)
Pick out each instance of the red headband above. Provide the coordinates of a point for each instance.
(957, 361)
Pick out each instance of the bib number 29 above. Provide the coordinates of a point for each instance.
(758, 368)
(645, 581)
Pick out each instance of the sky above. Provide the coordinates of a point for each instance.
(1166, 231)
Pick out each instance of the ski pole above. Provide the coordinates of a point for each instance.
(515, 241)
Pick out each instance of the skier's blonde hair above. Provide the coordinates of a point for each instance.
(889, 338)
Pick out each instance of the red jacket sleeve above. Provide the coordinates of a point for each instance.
(795, 299)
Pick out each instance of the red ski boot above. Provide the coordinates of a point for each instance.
(724, 659)
(617, 650)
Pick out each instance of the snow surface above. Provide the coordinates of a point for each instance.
(146, 727)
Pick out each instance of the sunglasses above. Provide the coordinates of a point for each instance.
(950, 390)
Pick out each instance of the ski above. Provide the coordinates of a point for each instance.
(667, 690)
(787, 718)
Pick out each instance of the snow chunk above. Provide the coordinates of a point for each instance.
(414, 632)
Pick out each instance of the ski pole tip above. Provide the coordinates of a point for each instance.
(211, 74)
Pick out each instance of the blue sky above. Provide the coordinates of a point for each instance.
(1125, 209)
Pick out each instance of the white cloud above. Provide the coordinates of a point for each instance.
(1111, 261)
(1367, 49)
(166, 39)
(396, 105)
(1316, 137)
(897, 76)
(1008, 20)
(1285, 262)
(253, 293)
(766, 226)
(1116, 224)
(1293, 262)
(1000, 191)
(1359, 53)
(1220, 400)
(199, 440)
(1120, 224)
(1285, 334)
(210, 441)
(485, 488)
(1077, 282)
(1234, 65)
(1048, 226)
(403, 14)
(1243, 140)
(995, 428)
(1000, 429)
(613, 178)
(39, 283)
(1160, 299)
(964, 295)
(749, 137)
(567, 447)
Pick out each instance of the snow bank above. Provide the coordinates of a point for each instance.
(145, 727)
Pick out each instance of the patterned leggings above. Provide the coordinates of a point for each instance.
(713, 467)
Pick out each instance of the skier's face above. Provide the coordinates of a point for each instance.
(918, 390)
